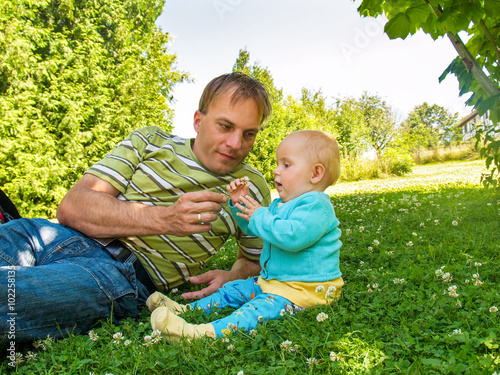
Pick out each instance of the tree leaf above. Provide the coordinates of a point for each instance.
(398, 27)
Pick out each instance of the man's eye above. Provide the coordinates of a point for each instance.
(251, 135)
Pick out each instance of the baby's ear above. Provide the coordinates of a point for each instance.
(318, 173)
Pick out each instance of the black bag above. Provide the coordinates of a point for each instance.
(8, 211)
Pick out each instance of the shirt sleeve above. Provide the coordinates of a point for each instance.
(120, 164)
(306, 224)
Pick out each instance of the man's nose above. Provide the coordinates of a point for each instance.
(234, 140)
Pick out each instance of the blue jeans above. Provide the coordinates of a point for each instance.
(253, 305)
(55, 281)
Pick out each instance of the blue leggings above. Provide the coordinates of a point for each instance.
(253, 306)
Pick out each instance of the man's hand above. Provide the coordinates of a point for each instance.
(192, 213)
(215, 280)
(242, 269)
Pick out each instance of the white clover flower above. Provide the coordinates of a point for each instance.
(478, 264)
(240, 373)
(447, 277)
(347, 232)
(454, 223)
(409, 243)
(399, 281)
(376, 242)
(312, 362)
(456, 332)
(282, 312)
(321, 317)
(230, 347)
(320, 289)
(331, 292)
(118, 338)
(127, 342)
(414, 234)
(439, 272)
(493, 309)
(253, 332)
(93, 336)
(458, 304)
(334, 357)
(19, 358)
(286, 345)
(30, 356)
(436, 222)
(422, 225)
(370, 249)
(452, 291)
(361, 229)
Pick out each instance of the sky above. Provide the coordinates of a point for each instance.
(317, 44)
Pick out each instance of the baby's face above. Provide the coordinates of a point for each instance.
(293, 174)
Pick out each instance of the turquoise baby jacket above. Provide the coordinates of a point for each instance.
(301, 238)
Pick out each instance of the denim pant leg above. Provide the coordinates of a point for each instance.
(261, 308)
(233, 294)
(58, 281)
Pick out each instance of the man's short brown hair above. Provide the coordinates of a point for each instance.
(245, 87)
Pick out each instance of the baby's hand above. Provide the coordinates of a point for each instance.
(238, 188)
(247, 205)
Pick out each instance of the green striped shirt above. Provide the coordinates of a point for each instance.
(155, 168)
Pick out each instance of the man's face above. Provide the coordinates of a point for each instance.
(226, 133)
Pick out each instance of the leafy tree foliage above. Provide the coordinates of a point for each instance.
(430, 125)
(476, 66)
(76, 76)
(379, 121)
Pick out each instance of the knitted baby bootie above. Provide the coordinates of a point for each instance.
(173, 327)
(157, 299)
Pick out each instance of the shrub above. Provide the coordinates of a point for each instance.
(396, 162)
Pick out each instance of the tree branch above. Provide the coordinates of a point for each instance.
(490, 37)
(470, 62)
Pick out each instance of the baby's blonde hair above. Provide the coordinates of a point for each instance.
(321, 148)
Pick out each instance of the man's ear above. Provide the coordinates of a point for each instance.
(318, 173)
(197, 121)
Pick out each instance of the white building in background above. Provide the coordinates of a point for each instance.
(471, 122)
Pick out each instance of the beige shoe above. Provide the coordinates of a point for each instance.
(174, 327)
(157, 299)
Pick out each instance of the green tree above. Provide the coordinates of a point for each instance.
(350, 126)
(476, 66)
(429, 126)
(75, 78)
(379, 121)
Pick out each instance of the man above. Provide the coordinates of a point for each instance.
(159, 196)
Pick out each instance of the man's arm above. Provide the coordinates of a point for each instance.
(91, 207)
(241, 269)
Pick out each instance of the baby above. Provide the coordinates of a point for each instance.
(301, 245)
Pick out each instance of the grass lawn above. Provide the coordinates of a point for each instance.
(421, 265)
